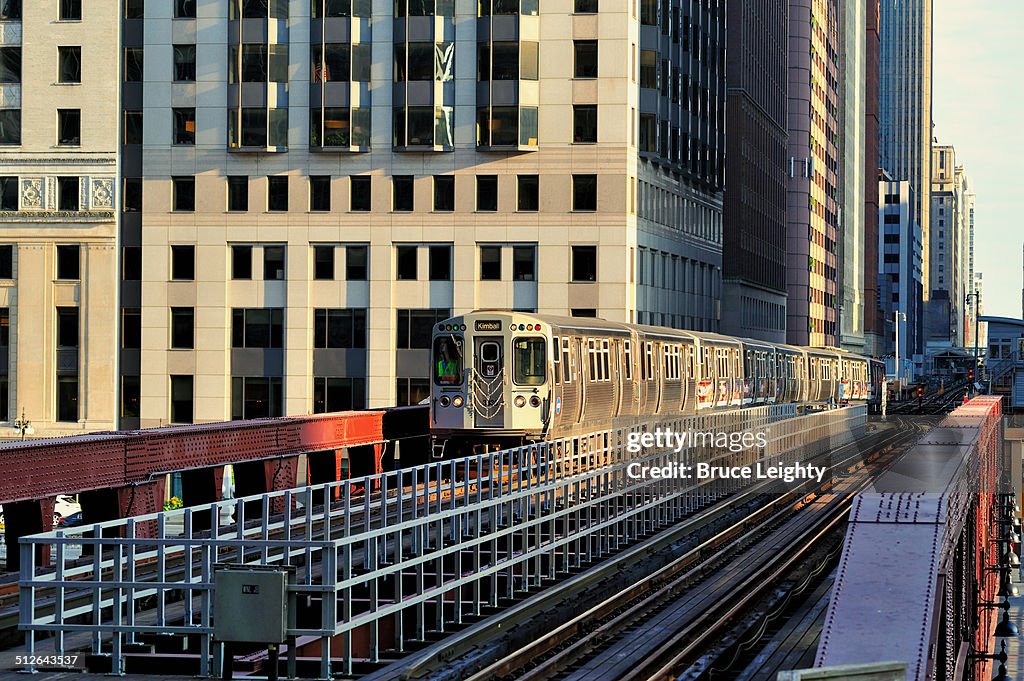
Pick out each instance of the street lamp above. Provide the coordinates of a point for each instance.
(896, 320)
(22, 426)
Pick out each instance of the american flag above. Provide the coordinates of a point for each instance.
(320, 72)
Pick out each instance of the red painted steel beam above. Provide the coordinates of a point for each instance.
(35, 469)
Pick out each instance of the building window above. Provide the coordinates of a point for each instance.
(585, 6)
(339, 328)
(320, 193)
(184, 125)
(67, 327)
(133, 64)
(487, 193)
(181, 399)
(184, 9)
(584, 192)
(67, 399)
(412, 391)
(402, 190)
(405, 263)
(585, 58)
(134, 9)
(238, 193)
(241, 261)
(10, 64)
(257, 127)
(649, 68)
(183, 262)
(185, 63)
(359, 193)
(10, 126)
(356, 268)
(277, 193)
(131, 263)
(584, 123)
(444, 193)
(7, 261)
(323, 262)
(132, 194)
(8, 193)
(584, 263)
(587, 312)
(416, 326)
(10, 10)
(67, 193)
(69, 64)
(69, 262)
(131, 328)
(330, 62)
(133, 127)
(130, 394)
(70, 10)
(527, 193)
(331, 394)
(184, 194)
(440, 263)
(257, 327)
(255, 397)
(69, 127)
(273, 263)
(524, 263)
(183, 323)
(490, 263)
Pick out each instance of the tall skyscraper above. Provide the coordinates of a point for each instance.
(754, 220)
(58, 248)
(873, 322)
(319, 189)
(905, 103)
(950, 216)
(851, 217)
(900, 276)
(814, 187)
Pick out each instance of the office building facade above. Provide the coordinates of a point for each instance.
(754, 248)
(853, 86)
(815, 180)
(905, 103)
(948, 283)
(310, 187)
(900, 278)
(873, 329)
(58, 247)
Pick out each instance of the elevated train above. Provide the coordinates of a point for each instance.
(502, 378)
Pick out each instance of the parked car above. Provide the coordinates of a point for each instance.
(70, 520)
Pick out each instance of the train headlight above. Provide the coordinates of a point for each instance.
(457, 401)
(445, 400)
(535, 401)
(520, 400)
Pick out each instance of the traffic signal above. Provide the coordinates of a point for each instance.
(920, 391)
(970, 374)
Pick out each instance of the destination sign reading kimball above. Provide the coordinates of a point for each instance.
(705, 471)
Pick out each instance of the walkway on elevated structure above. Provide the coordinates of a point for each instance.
(394, 555)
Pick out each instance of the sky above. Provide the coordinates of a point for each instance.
(978, 107)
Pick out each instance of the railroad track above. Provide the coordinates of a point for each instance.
(554, 653)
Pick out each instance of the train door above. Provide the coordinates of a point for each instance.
(658, 374)
(489, 382)
(617, 376)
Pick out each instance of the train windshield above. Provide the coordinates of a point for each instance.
(448, 360)
(528, 361)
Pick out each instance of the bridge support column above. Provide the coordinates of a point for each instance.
(258, 477)
(23, 518)
(142, 499)
(325, 467)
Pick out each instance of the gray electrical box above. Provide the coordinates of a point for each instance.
(250, 604)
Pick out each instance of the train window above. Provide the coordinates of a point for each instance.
(627, 352)
(448, 360)
(672, 362)
(566, 362)
(605, 367)
(556, 356)
(592, 359)
(529, 361)
(649, 360)
(490, 352)
(813, 373)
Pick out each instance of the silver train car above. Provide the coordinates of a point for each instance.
(502, 379)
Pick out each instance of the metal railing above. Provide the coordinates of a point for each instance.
(418, 548)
